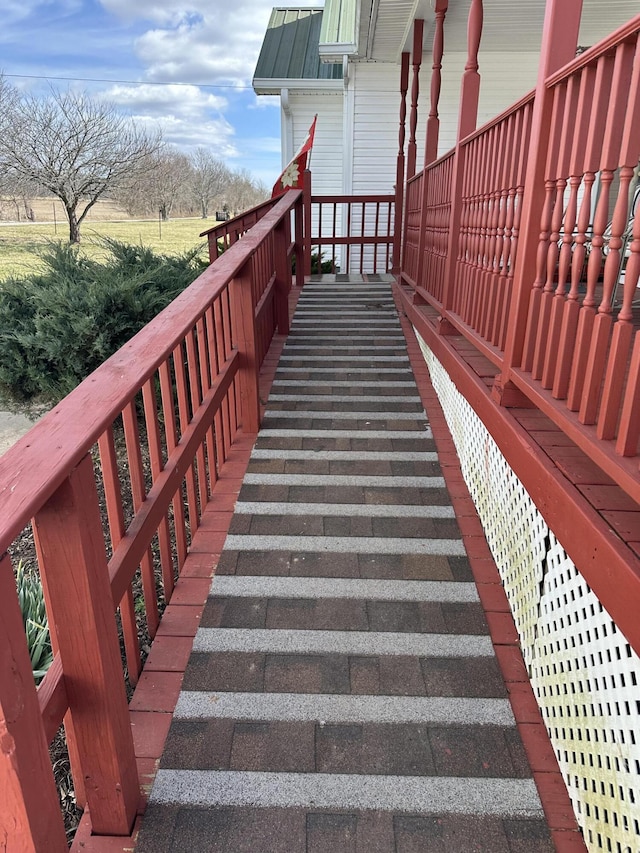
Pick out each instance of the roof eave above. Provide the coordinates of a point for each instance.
(273, 86)
(333, 52)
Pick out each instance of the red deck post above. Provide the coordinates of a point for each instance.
(467, 118)
(559, 43)
(418, 29)
(433, 122)
(74, 571)
(30, 818)
(433, 129)
(298, 224)
(399, 200)
(243, 318)
(306, 202)
(470, 90)
(281, 239)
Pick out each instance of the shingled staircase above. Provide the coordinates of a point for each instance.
(343, 693)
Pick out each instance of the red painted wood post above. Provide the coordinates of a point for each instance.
(559, 42)
(243, 319)
(73, 566)
(418, 30)
(470, 90)
(298, 223)
(30, 817)
(399, 200)
(282, 238)
(433, 122)
(306, 201)
(467, 117)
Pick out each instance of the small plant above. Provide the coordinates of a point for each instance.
(36, 624)
(318, 264)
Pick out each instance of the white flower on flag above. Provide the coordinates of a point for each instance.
(291, 175)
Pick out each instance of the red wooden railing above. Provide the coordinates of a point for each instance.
(220, 237)
(569, 342)
(355, 233)
(155, 421)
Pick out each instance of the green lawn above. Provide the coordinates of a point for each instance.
(19, 244)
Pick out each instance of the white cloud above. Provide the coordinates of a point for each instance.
(188, 116)
(198, 41)
(188, 102)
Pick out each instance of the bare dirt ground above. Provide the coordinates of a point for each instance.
(12, 427)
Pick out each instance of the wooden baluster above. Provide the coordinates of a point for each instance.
(115, 513)
(71, 554)
(541, 320)
(157, 465)
(586, 316)
(30, 819)
(195, 394)
(205, 383)
(610, 158)
(629, 431)
(567, 226)
(620, 348)
(212, 360)
(523, 148)
(505, 223)
(168, 412)
(575, 257)
(498, 180)
(139, 494)
(183, 414)
(418, 29)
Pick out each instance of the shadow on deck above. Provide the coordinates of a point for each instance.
(355, 682)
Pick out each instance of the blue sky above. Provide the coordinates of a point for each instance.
(150, 46)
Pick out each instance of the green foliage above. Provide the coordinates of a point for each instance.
(58, 325)
(36, 625)
(318, 265)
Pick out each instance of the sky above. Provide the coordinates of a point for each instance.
(183, 65)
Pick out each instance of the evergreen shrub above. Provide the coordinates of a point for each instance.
(59, 325)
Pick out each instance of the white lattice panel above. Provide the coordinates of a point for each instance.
(584, 673)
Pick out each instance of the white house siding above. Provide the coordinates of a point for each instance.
(326, 162)
(326, 156)
(376, 123)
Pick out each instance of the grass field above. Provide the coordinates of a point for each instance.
(19, 244)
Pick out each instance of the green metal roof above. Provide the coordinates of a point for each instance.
(339, 26)
(290, 48)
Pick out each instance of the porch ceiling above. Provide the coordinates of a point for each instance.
(508, 25)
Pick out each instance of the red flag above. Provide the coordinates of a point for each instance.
(291, 177)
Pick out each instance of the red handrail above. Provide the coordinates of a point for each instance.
(182, 389)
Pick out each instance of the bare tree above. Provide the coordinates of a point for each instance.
(8, 100)
(244, 192)
(208, 179)
(167, 185)
(75, 147)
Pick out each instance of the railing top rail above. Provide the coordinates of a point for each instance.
(347, 199)
(229, 223)
(37, 464)
(603, 47)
